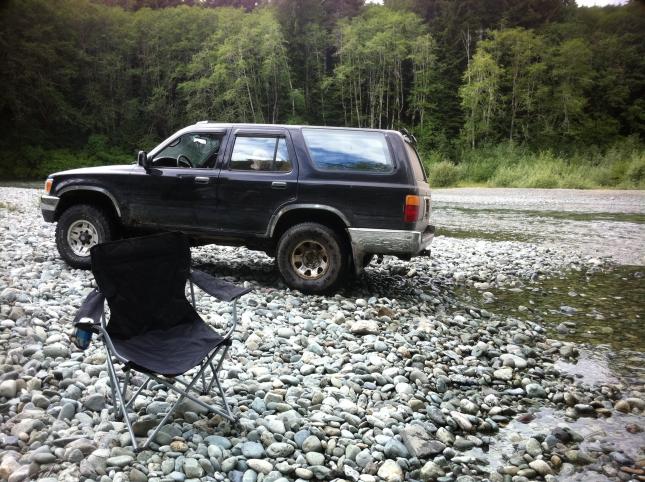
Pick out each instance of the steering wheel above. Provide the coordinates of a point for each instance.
(183, 160)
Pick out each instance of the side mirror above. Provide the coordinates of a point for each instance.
(142, 160)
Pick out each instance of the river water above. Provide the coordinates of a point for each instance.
(601, 309)
(604, 309)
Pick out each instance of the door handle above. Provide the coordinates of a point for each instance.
(202, 180)
(278, 185)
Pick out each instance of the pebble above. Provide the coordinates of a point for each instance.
(364, 327)
(252, 450)
(311, 444)
(8, 389)
(390, 471)
(541, 467)
(259, 465)
(192, 468)
(119, 461)
(533, 447)
(395, 449)
(279, 449)
(535, 390)
(505, 374)
(95, 402)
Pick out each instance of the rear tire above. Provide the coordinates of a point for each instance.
(78, 229)
(312, 258)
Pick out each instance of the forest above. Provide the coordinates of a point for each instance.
(520, 93)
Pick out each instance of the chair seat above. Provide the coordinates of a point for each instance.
(171, 351)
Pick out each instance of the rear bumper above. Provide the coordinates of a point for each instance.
(48, 206)
(390, 241)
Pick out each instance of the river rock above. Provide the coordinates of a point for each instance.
(8, 389)
(364, 327)
(119, 461)
(390, 471)
(394, 449)
(419, 442)
(533, 447)
(505, 374)
(95, 402)
(535, 390)
(278, 449)
(312, 444)
(252, 450)
(56, 350)
(431, 471)
(260, 466)
(541, 467)
(192, 468)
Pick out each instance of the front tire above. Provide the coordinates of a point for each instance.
(78, 229)
(311, 257)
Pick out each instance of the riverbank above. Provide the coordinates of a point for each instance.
(621, 166)
(396, 376)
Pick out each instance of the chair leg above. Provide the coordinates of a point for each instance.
(230, 415)
(138, 392)
(121, 402)
(113, 385)
(126, 381)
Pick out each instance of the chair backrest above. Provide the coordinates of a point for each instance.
(144, 280)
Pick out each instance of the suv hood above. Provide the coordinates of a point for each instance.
(122, 168)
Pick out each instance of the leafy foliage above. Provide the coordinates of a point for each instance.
(85, 81)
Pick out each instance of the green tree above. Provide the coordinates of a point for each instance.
(242, 73)
(373, 52)
(571, 77)
(480, 96)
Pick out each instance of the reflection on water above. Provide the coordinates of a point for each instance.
(603, 309)
(591, 368)
(610, 432)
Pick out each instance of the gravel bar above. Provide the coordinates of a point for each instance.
(393, 378)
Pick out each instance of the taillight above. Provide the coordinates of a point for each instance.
(412, 209)
(48, 185)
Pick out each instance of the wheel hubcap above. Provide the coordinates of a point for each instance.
(310, 260)
(81, 236)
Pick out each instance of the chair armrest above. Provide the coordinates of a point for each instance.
(92, 308)
(220, 289)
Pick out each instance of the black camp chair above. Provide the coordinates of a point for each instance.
(152, 327)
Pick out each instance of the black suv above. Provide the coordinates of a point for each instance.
(321, 200)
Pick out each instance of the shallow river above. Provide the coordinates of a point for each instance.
(604, 309)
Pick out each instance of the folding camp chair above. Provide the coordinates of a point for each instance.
(152, 328)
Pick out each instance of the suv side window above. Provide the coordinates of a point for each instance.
(348, 150)
(260, 154)
(190, 150)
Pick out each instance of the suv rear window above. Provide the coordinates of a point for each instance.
(347, 150)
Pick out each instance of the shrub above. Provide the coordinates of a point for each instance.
(443, 174)
(636, 171)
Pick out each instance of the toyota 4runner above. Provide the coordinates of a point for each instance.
(321, 200)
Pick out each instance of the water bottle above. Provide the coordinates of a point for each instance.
(82, 336)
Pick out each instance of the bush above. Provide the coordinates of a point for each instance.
(443, 174)
(636, 172)
(621, 165)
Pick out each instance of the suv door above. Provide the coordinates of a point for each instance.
(259, 175)
(180, 188)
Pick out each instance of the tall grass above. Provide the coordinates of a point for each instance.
(622, 165)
